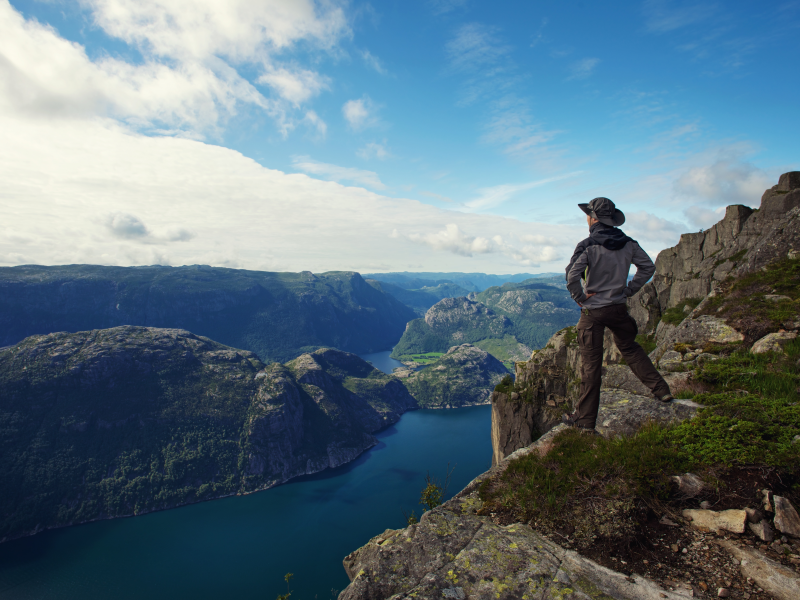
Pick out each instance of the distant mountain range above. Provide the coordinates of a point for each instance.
(472, 282)
(276, 315)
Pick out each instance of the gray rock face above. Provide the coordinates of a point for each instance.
(773, 342)
(698, 330)
(742, 242)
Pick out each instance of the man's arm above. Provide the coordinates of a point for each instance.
(576, 269)
(644, 270)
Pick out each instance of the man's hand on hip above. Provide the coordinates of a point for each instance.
(587, 297)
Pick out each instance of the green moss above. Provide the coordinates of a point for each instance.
(676, 314)
(647, 342)
(506, 385)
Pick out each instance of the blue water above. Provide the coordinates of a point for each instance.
(381, 360)
(241, 547)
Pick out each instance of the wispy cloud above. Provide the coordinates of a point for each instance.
(361, 113)
(440, 7)
(373, 62)
(582, 68)
(478, 52)
(662, 16)
(490, 197)
(331, 172)
(727, 180)
(374, 150)
(436, 196)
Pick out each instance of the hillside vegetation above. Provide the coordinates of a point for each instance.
(276, 315)
(123, 421)
(506, 321)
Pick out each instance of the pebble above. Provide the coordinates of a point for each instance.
(675, 548)
(723, 593)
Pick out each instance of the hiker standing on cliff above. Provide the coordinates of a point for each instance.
(597, 279)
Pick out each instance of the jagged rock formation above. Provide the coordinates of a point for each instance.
(743, 241)
(276, 315)
(464, 376)
(128, 420)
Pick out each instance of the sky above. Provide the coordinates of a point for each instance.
(414, 135)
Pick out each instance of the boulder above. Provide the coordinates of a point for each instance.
(728, 520)
(700, 330)
(775, 579)
(773, 342)
(689, 484)
(789, 181)
(762, 530)
(754, 515)
(786, 518)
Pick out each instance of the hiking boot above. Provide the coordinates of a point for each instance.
(569, 421)
(666, 398)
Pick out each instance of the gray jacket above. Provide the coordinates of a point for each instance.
(601, 263)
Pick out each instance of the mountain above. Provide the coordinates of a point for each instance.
(128, 420)
(420, 300)
(537, 309)
(465, 375)
(507, 321)
(276, 315)
(474, 282)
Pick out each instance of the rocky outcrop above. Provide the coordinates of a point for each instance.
(455, 553)
(743, 241)
(464, 376)
(128, 420)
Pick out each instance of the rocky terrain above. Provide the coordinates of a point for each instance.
(696, 498)
(276, 315)
(464, 376)
(128, 420)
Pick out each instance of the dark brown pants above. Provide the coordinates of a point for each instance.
(591, 329)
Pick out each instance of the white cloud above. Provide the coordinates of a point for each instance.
(728, 180)
(187, 84)
(294, 86)
(582, 68)
(241, 30)
(651, 230)
(361, 113)
(369, 179)
(373, 62)
(475, 47)
(493, 196)
(59, 180)
(452, 239)
(313, 120)
(373, 150)
(702, 217)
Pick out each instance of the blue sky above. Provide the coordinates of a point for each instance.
(419, 135)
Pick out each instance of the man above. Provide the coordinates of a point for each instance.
(597, 279)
